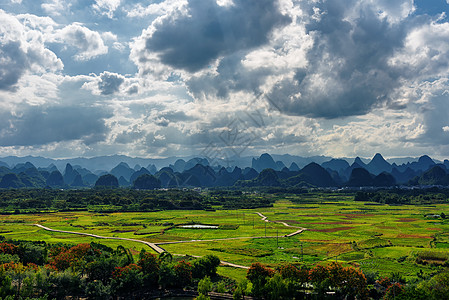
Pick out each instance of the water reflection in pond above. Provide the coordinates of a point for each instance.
(199, 226)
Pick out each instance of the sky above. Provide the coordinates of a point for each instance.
(223, 78)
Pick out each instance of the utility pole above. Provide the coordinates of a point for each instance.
(253, 222)
(265, 229)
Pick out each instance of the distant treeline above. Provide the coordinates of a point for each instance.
(402, 196)
(34, 200)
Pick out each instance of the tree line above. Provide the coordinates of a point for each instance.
(107, 200)
(37, 270)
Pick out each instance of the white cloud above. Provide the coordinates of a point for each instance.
(162, 8)
(109, 36)
(22, 49)
(107, 84)
(106, 7)
(55, 7)
(353, 77)
(426, 51)
(88, 42)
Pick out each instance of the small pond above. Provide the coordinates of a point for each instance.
(199, 226)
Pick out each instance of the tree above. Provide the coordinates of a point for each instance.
(278, 288)
(259, 275)
(101, 269)
(127, 279)
(183, 271)
(202, 297)
(150, 268)
(97, 290)
(32, 253)
(6, 287)
(437, 287)
(165, 257)
(206, 265)
(298, 275)
(204, 286)
(167, 276)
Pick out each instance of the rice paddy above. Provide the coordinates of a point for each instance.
(377, 238)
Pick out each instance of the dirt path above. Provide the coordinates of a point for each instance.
(158, 249)
(300, 229)
(151, 245)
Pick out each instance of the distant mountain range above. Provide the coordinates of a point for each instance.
(266, 170)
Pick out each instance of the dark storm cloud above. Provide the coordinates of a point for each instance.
(192, 42)
(232, 76)
(39, 126)
(110, 83)
(348, 72)
(13, 64)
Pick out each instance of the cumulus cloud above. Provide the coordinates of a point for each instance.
(22, 49)
(106, 7)
(55, 7)
(347, 70)
(110, 83)
(162, 8)
(425, 53)
(88, 42)
(191, 40)
(335, 77)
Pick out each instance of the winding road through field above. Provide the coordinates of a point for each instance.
(158, 249)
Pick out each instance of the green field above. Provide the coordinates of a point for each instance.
(377, 238)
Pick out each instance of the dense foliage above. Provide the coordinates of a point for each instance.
(35, 200)
(30, 269)
(403, 196)
(94, 271)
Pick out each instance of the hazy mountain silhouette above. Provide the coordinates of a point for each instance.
(136, 174)
(360, 177)
(294, 167)
(405, 176)
(11, 180)
(433, 176)
(197, 172)
(70, 174)
(384, 179)
(107, 181)
(77, 181)
(122, 169)
(55, 179)
(265, 161)
(268, 177)
(249, 173)
(179, 165)
(146, 182)
(378, 165)
(339, 165)
(312, 174)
